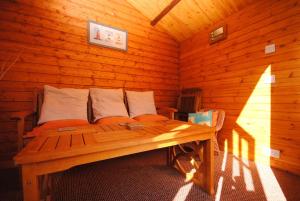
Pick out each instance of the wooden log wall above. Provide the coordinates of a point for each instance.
(53, 35)
(232, 74)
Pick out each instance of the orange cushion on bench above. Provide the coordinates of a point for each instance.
(58, 124)
(114, 120)
(151, 117)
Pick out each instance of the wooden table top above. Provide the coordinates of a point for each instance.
(55, 144)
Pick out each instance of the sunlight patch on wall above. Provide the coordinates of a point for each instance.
(245, 148)
(235, 142)
(253, 126)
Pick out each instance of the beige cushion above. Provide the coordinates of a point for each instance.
(64, 103)
(108, 103)
(140, 103)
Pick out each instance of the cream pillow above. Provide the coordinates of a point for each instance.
(140, 103)
(108, 103)
(64, 103)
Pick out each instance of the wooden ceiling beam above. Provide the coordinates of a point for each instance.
(164, 12)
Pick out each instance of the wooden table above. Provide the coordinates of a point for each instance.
(55, 150)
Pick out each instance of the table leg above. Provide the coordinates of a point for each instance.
(201, 156)
(208, 160)
(30, 184)
(169, 156)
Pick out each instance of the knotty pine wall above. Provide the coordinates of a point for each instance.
(232, 75)
(53, 35)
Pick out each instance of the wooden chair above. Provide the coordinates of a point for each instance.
(219, 116)
(21, 116)
(189, 101)
(219, 125)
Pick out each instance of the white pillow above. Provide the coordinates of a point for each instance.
(108, 103)
(64, 103)
(140, 103)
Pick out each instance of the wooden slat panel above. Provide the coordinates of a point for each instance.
(64, 142)
(50, 144)
(77, 140)
(36, 145)
(89, 139)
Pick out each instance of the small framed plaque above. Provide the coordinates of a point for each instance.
(219, 33)
(107, 36)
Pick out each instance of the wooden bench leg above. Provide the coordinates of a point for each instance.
(30, 185)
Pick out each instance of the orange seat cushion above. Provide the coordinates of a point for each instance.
(114, 120)
(58, 124)
(151, 117)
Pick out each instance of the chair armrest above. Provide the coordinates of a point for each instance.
(20, 117)
(170, 111)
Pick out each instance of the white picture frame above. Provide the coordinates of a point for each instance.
(107, 36)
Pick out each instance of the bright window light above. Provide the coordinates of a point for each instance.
(248, 179)
(219, 189)
(254, 122)
(183, 192)
(269, 183)
(182, 127)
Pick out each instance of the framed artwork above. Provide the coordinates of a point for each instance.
(107, 36)
(219, 33)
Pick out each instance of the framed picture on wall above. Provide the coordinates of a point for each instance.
(107, 36)
(218, 34)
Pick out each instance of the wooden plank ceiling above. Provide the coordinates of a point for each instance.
(189, 16)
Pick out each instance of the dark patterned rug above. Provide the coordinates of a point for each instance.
(145, 177)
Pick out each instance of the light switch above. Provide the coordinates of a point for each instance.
(269, 79)
(270, 48)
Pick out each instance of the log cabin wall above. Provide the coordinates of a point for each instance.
(233, 73)
(53, 35)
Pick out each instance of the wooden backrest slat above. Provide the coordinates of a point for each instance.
(190, 100)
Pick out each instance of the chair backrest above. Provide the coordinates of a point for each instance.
(38, 102)
(190, 100)
(220, 120)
